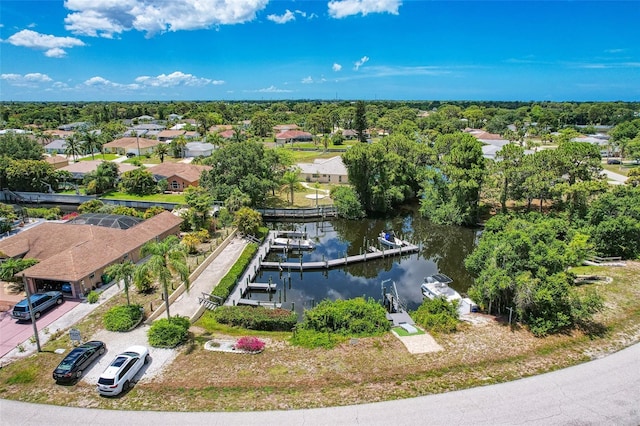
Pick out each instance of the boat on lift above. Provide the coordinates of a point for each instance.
(438, 286)
(389, 239)
(285, 243)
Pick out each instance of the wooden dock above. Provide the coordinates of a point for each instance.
(342, 261)
(264, 303)
(261, 287)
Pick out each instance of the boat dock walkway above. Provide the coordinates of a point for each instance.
(341, 261)
(246, 285)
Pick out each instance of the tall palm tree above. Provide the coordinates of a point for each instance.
(74, 148)
(166, 257)
(122, 272)
(289, 181)
(92, 142)
(161, 150)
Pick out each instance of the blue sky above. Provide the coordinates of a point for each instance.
(128, 50)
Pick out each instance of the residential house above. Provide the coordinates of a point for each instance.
(198, 149)
(131, 145)
(330, 170)
(57, 161)
(81, 168)
(78, 252)
(56, 146)
(291, 136)
(178, 175)
(169, 135)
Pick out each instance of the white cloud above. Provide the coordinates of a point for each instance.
(26, 80)
(360, 62)
(101, 82)
(106, 18)
(53, 46)
(176, 78)
(273, 89)
(336, 67)
(307, 80)
(282, 19)
(343, 8)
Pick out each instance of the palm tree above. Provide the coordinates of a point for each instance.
(122, 272)
(289, 180)
(73, 146)
(162, 150)
(166, 258)
(92, 142)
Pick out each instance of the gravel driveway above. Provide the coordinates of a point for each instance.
(118, 343)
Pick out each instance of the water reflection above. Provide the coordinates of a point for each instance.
(442, 249)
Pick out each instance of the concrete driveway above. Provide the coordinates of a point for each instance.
(13, 333)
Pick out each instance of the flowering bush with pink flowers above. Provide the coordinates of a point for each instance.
(249, 344)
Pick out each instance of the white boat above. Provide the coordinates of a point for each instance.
(389, 239)
(293, 243)
(438, 286)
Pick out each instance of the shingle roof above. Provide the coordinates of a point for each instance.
(130, 142)
(186, 171)
(329, 166)
(70, 252)
(294, 134)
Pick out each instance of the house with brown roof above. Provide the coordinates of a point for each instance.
(57, 161)
(291, 136)
(179, 175)
(81, 168)
(134, 145)
(78, 253)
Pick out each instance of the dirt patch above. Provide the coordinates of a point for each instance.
(485, 351)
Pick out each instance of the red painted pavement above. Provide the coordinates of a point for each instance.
(13, 333)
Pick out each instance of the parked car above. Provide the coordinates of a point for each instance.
(613, 161)
(120, 373)
(77, 361)
(40, 303)
(66, 288)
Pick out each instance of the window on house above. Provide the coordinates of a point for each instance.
(174, 184)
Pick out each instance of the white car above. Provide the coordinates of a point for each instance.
(120, 373)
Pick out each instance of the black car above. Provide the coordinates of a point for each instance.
(74, 364)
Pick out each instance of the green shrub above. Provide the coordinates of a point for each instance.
(256, 318)
(333, 322)
(53, 213)
(351, 317)
(437, 315)
(122, 318)
(228, 282)
(169, 333)
(93, 297)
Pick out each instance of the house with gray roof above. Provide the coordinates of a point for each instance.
(325, 170)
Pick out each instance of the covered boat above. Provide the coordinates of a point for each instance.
(438, 286)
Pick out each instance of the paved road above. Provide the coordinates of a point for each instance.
(601, 392)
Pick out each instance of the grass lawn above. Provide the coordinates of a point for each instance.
(300, 200)
(169, 198)
(372, 369)
(105, 157)
(621, 169)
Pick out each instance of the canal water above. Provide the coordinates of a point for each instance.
(442, 250)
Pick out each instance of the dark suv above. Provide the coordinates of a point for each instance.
(40, 303)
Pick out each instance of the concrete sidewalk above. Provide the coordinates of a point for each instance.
(187, 304)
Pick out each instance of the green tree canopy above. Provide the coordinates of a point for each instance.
(240, 165)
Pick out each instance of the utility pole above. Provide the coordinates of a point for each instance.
(33, 318)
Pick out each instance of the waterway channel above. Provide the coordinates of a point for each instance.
(442, 250)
